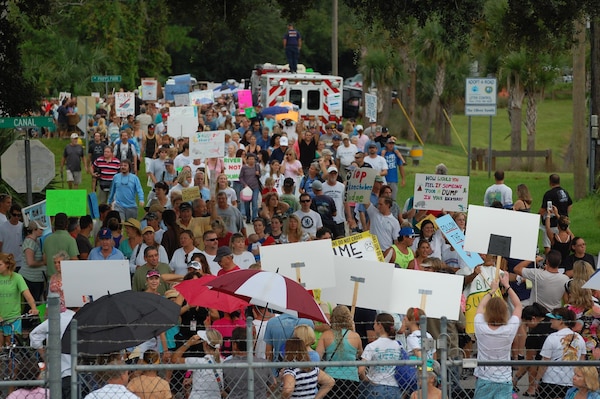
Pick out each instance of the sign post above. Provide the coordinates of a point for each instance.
(106, 79)
(480, 100)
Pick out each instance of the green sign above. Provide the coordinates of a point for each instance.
(33, 121)
(71, 202)
(106, 78)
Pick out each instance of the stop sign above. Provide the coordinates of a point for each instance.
(43, 168)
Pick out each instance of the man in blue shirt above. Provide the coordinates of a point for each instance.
(123, 190)
(280, 329)
(106, 250)
(292, 43)
(394, 160)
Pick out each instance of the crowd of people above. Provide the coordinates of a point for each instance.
(291, 188)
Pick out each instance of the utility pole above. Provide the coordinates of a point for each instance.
(334, 38)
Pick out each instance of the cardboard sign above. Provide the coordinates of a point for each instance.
(189, 194)
(71, 202)
(358, 246)
(84, 281)
(594, 282)
(309, 263)
(125, 104)
(360, 185)
(456, 238)
(438, 294)
(250, 113)
(371, 278)
(183, 121)
(502, 232)
(93, 206)
(181, 100)
(149, 89)
(207, 144)
(244, 99)
(233, 166)
(201, 97)
(38, 213)
(436, 192)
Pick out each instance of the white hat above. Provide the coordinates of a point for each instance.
(283, 141)
(74, 136)
(332, 169)
(359, 127)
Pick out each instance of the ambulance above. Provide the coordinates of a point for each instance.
(318, 97)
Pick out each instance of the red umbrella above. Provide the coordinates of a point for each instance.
(272, 290)
(196, 293)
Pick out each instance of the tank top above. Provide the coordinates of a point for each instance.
(345, 351)
(563, 247)
(402, 260)
(150, 146)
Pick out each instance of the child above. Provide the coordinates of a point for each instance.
(254, 245)
(241, 257)
(268, 188)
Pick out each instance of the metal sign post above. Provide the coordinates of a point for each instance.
(480, 100)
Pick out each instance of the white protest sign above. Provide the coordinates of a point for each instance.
(359, 246)
(181, 100)
(438, 294)
(86, 105)
(183, 121)
(371, 107)
(149, 89)
(502, 232)
(63, 95)
(201, 97)
(594, 282)
(207, 144)
(371, 278)
(436, 192)
(309, 263)
(233, 166)
(84, 281)
(360, 185)
(456, 238)
(125, 104)
(37, 212)
(334, 101)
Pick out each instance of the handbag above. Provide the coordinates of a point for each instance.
(405, 375)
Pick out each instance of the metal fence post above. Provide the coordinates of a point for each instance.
(425, 344)
(250, 353)
(53, 346)
(443, 348)
(74, 387)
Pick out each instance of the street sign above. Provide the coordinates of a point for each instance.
(106, 78)
(371, 107)
(43, 168)
(24, 122)
(480, 97)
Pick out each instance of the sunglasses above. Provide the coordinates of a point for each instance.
(16, 214)
(305, 200)
(212, 239)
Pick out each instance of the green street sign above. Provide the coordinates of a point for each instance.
(34, 121)
(106, 78)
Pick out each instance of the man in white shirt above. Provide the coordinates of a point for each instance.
(309, 219)
(383, 224)
(498, 192)
(377, 162)
(336, 190)
(344, 155)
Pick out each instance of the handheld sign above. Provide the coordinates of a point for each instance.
(207, 144)
(70, 202)
(360, 184)
(436, 192)
(125, 104)
(456, 238)
(190, 193)
(84, 281)
(183, 121)
(233, 166)
(358, 246)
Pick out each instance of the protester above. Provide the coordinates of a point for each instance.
(73, 155)
(123, 191)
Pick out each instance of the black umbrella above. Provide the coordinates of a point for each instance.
(119, 321)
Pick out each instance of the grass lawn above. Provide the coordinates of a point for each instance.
(553, 131)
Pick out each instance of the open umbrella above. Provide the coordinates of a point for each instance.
(272, 290)
(275, 110)
(196, 293)
(119, 321)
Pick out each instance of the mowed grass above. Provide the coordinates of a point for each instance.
(553, 131)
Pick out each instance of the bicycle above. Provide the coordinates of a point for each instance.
(15, 350)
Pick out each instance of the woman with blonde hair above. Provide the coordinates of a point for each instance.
(341, 342)
(291, 166)
(585, 383)
(293, 231)
(303, 382)
(206, 383)
(307, 335)
(523, 203)
(495, 332)
(223, 185)
(579, 299)
(148, 385)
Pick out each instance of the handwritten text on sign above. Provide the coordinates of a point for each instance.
(360, 185)
(358, 246)
(436, 192)
(456, 238)
(207, 144)
(232, 168)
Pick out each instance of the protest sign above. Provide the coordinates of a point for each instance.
(456, 238)
(37, 212)
(309, 263)
(84, 281)
(149, 89)
(190, 193)
(125, 104)
(233, 166)
(360, 185)
(181, 100)
(70, 202)
(183, 121)
(244, 99)
(86, 105)
(436, 192)
(201, 97)
(359, 246)
(207, 144)
(502, 232)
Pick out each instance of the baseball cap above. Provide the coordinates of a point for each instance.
(156, 207)
(184, 206)
(152, 273)
(34, 224)
(332, 169)
(359, 127)
(390, 141)
(406, 232)
(74, 136)
(151, 126)
(222, 252)
(169, 162)
(283, 141)
(345, 136)
(384, 130)
(151, 216)
(372, 145)
(194, 265)
(105, 233)
(340, 127)
(336, 137)
(317, 185)
(148, 229)
(288, 182)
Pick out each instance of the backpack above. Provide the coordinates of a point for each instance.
(405, 375)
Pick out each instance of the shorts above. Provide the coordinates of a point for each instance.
(485, 389)
(15, 327)
(545, 239)
(74, 176)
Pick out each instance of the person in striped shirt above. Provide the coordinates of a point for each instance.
(303, 382)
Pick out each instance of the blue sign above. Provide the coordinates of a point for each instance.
(456, 238)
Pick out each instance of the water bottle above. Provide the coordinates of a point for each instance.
(193, 324)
